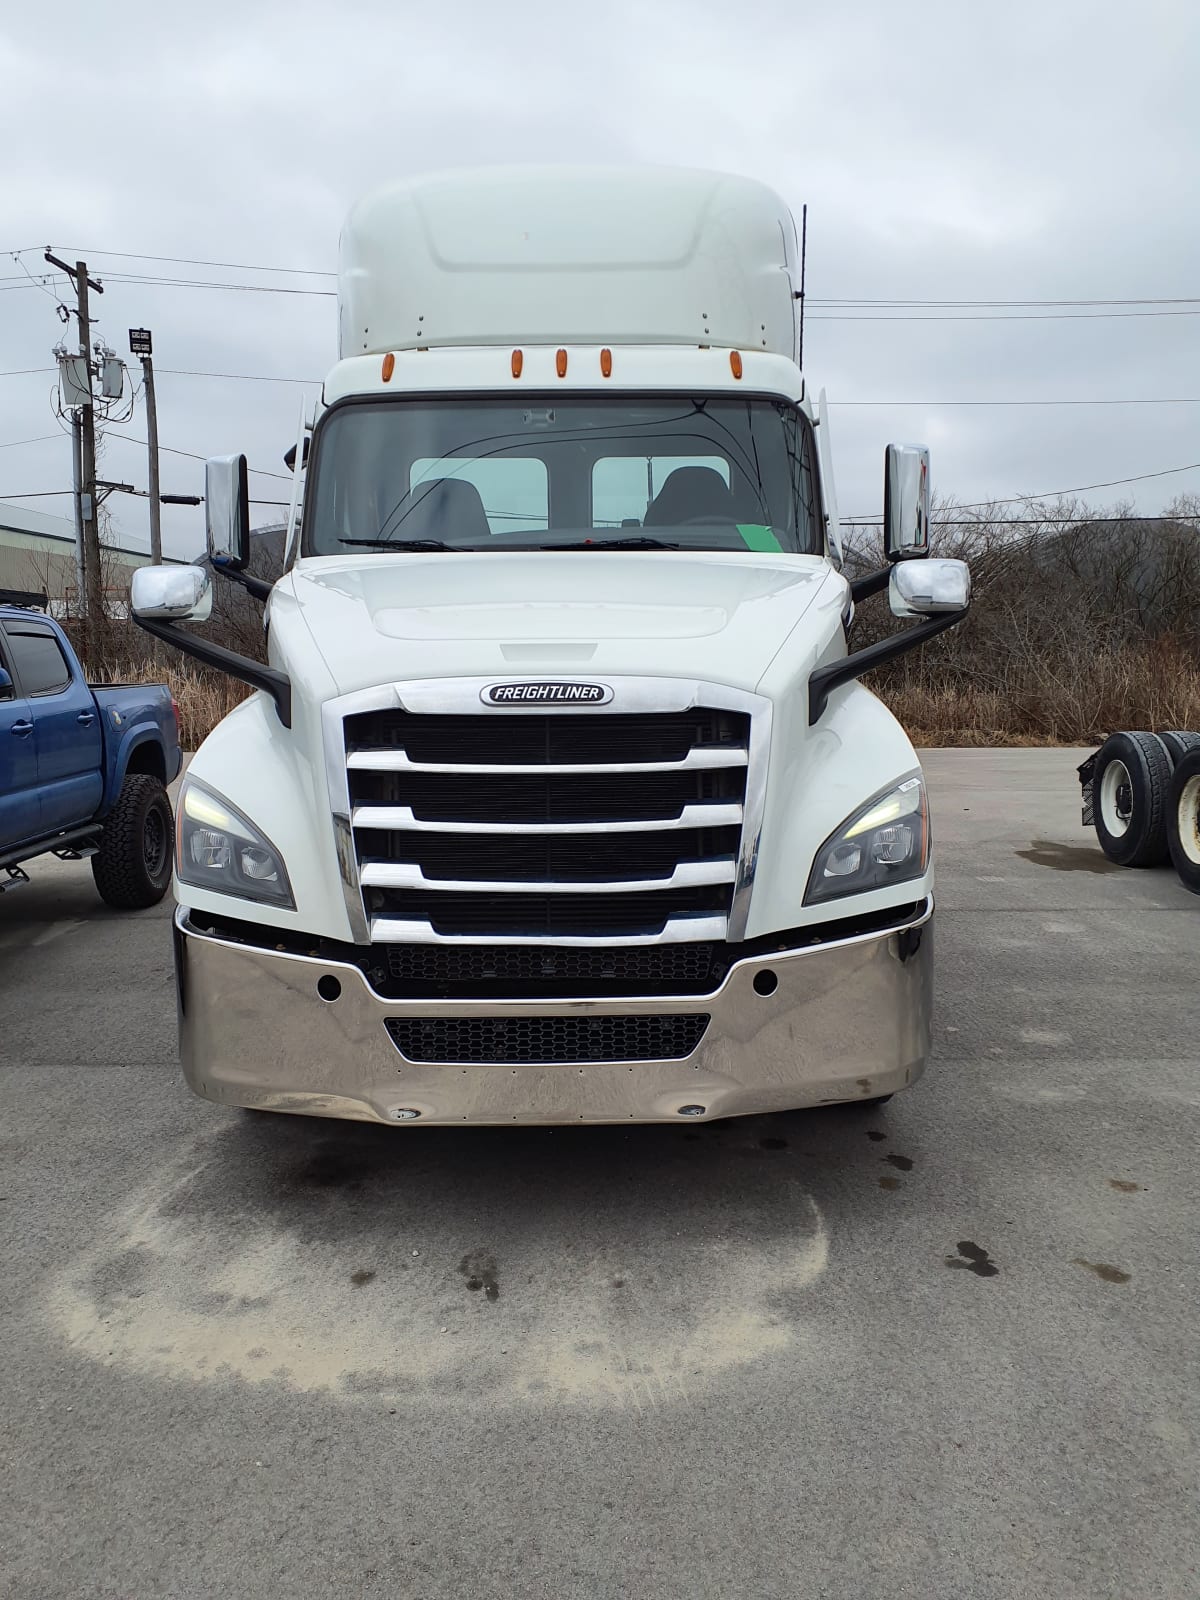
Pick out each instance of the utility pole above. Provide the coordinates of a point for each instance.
(141, 344)
(93, 579)
(77, 501)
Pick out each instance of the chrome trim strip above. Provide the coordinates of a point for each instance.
(399, 819)
(406, 875)
(678, 930)
(704, 758)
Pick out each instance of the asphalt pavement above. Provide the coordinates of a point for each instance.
(948, 1348)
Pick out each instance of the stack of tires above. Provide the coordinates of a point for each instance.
(1145, 800)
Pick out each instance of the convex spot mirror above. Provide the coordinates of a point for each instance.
(171, 594)
(905, 501)
(227, 511)
(923, 588)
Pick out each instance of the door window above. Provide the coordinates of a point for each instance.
(41, 666)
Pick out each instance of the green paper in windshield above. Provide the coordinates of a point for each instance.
(758, 537)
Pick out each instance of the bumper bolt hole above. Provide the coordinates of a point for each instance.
(765, 982)
(329, 988)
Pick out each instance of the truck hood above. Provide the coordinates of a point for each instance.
(717, 615)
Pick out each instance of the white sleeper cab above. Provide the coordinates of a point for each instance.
(559, 798)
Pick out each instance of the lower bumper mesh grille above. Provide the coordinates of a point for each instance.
(516, 971)
(545, 1041)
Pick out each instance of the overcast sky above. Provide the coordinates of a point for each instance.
(953, 152)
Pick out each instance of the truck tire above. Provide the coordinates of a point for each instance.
(1178, 744)
(1183, 821)
(132, 867)
(1130, 784)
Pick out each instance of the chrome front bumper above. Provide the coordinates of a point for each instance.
(847, 1020)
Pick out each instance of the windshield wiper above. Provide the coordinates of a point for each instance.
(613, 544)
(404, 544)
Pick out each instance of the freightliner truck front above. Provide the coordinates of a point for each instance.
(559, 799)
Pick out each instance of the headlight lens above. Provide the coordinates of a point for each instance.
(885, 842)
(218, 849)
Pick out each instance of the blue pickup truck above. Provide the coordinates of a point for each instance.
(83, 771)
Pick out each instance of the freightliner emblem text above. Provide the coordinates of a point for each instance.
(546, 694)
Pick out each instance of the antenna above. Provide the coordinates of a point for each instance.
(800, 296)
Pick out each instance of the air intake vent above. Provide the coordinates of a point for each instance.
(545, 1041)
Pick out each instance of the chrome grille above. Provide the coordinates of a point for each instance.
(556, 827)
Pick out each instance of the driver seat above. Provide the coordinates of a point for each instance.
(688, 493)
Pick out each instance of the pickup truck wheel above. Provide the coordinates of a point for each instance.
(1183, 821)
(1179, 744)
(132, 867)
(1129, 798)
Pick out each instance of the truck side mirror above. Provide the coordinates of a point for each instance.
(929, 588)
(905, 501)
(7, 692)
(171, 594)
(227, 510)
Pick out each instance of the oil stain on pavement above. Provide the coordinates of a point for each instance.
(973, 1258)
(1068, 857)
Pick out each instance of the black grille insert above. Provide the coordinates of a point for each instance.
(515, 971)
(559, 739)
(457, 913)
(548, 857)
(546, 1041)
(582, 797)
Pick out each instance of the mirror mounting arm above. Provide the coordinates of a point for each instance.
(252, 585)
(822, 682)
(870, 583)
(273, 682)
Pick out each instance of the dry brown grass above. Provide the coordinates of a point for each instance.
(203, 698)
(1052, 700)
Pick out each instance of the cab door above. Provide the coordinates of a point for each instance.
(66, 726)
(20, 813)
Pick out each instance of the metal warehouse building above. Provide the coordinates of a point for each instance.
(37, 555)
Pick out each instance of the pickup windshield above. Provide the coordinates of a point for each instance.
(548, 472)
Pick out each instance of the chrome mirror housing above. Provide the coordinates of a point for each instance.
(924, 588)
(227, 510)
(906, 501)
(171, 594)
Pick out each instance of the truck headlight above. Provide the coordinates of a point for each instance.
(218, 849)
(884, 842)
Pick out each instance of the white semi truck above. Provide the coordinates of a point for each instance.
(560, 799)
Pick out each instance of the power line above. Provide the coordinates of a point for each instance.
(944, 404)
(894, 302)
(190, 261)
(1016, 316)
(11, 444)
(235, 377)
(1053, 494)
(192, 455)
(861, 303)
(206, 283)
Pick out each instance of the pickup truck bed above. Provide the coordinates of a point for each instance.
(83, 769)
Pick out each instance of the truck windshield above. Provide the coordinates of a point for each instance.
(548, 472)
